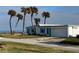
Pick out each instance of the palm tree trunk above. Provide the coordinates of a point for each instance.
(17, 22)
(23, 25)
(10, 25)
(32, 19)
(33, 31)
(45, 20)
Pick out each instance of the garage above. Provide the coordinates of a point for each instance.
(59, 31)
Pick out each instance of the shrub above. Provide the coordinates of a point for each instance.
(74, 41)
(77, 36)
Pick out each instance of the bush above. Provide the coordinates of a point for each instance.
(74, 41)
(77, 36)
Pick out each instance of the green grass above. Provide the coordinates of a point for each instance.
(11, 47)
(74, 41)
(19, 36)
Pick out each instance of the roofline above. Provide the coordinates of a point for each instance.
(54, 25)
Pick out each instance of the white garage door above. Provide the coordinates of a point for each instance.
(59, 32)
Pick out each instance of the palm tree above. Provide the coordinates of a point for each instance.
(45, 15)
(24, 11)
(37, 20)
(20, 17)
(11, 13)
(33, 10)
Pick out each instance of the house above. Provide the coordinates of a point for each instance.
(54, 30)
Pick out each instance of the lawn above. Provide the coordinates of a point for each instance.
(11, 47)
(19, 36)
(74, 41)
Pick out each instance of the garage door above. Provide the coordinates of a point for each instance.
(59, 32)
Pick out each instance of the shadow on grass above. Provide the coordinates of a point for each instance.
(59, 44)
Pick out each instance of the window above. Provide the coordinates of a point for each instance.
(42, 30)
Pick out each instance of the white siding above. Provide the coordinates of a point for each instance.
(59, 31)
(38, 30)
(55, 31)
(73, 31)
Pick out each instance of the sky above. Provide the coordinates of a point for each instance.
(58, 15)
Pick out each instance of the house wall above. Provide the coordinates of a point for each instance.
(30, 30)
(39, 32)
(60, 31)
(73, 31)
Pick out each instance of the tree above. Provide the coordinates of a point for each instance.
(11, 13)
(33, 10)
(20, 17)
(45, 15)
(24, 11)
(37, 20)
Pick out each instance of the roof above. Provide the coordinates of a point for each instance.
(52, 25)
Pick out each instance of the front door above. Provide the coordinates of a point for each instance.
(49, 31)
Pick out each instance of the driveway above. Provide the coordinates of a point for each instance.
(46, 42)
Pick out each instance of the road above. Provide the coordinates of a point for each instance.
(46, 42)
